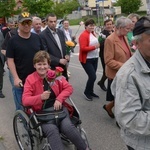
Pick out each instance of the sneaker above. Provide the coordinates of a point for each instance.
(87, 97)
(94, 95)
(69, 74)
(2, 95)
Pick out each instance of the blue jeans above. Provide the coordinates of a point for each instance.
(90, 68)
(17, 93)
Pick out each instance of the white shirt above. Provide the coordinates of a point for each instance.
(94, 53)
(68, 35)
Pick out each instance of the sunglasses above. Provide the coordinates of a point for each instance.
(26, 23)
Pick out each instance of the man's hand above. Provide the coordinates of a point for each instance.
(63, 61)
(18, 82)
(67, 57)
(3, 52)
(57, 105)
(45, 95)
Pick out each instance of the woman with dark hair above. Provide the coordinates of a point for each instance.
(88, 57)
(108, 29)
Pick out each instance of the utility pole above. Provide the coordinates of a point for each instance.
(148, 7)
(97, 10)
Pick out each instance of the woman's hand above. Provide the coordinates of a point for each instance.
(97, 46)
(45, 95)
(57, 105)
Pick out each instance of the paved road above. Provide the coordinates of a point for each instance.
(102, 132)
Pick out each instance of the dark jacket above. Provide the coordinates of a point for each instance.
(50, 45)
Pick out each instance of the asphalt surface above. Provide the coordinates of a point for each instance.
(2, 147)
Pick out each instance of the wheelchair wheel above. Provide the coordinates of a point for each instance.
(25, 136)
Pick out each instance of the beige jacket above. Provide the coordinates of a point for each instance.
(114, 55)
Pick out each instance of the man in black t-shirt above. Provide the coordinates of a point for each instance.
(20, 52)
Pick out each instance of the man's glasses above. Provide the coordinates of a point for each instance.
(26, 23)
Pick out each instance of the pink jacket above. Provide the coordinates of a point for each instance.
(33, 89)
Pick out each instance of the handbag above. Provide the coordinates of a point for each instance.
(50, 115)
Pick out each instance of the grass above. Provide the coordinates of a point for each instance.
(77, 21)
(1, 138)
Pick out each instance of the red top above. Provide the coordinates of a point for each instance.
(84, 41)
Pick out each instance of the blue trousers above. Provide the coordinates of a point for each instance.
(90, 68)
(17, 93)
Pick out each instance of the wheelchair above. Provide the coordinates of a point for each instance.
(29, 135)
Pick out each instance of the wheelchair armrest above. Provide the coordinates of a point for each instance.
(28, 109)
(75, 120)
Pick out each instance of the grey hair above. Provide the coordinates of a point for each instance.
(36, 18)
(122, 22)
(139, 37)
(130, 16)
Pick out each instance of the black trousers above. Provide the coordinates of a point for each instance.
(129, 148)
(1, 74)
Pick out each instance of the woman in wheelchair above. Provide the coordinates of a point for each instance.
(36, 96)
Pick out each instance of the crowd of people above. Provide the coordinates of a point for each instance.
(36, 46)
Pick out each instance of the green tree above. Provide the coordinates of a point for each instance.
(7, 8)
(129, 6)
(38, 7)
(64, 8)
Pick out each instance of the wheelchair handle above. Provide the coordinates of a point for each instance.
(20, 84)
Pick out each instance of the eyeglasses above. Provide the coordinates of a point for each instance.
(26, 23)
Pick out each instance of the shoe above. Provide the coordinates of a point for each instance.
(94, 95)
(2, 95)
(87, 97)
(111, 115)
(117, 124)
(69, 74)
(102, 86)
